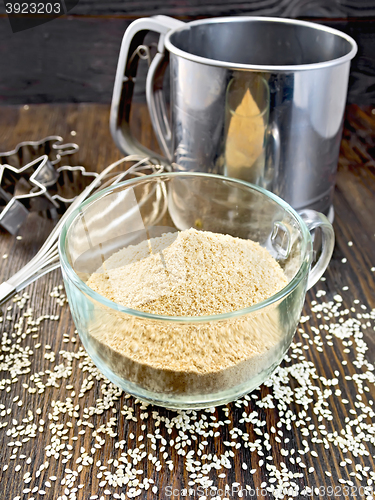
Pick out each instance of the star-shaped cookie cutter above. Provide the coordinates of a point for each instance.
(17, 206)
(25, 173)
(38, 198)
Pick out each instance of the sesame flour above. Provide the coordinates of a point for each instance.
(191, 273)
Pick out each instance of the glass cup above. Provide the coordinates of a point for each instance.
(213, 359)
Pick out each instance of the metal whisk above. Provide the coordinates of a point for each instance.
(47, 258)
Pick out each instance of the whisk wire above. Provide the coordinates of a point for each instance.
(47, 258)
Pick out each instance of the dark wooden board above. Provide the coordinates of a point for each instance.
(354, 221)
(68, 59)
(208, 8)
(74, 58)
(362, 71)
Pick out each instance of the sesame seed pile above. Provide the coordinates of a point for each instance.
(60, 428)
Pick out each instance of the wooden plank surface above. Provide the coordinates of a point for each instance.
(74, 58)
(283, 8)
(85, 430)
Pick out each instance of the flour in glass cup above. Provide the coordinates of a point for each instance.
(190, 273)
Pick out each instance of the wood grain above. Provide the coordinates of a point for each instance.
(354, 221)
(194, 8)
(74, 58)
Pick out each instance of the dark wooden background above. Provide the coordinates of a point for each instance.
(354, 221)
(73, 58)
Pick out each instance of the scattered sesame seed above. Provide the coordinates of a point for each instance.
(68, 421)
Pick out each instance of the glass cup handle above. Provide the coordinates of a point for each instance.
(314, 220)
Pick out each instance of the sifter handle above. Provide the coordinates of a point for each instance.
(125, 80)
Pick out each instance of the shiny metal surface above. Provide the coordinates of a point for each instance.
(292, 146)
